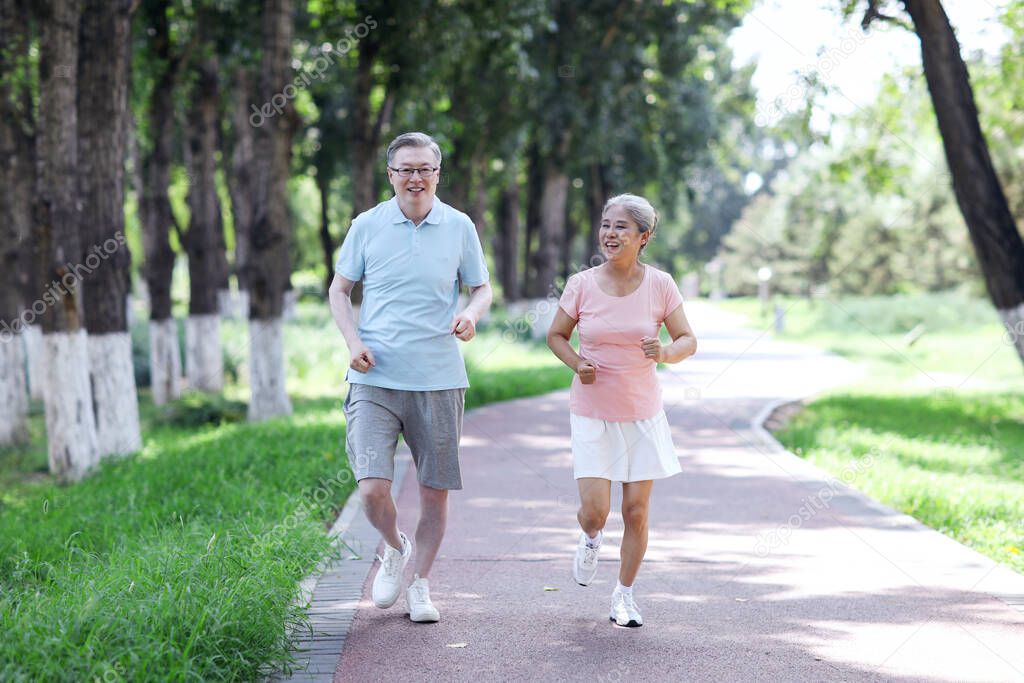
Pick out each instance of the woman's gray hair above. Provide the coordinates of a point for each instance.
(639, 209)
(413, 140)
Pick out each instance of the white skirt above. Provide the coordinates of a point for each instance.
(623, 451)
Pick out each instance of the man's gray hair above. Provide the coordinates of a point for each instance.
(413, 140)
(639, 209)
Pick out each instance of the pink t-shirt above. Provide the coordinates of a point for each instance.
(626, 388)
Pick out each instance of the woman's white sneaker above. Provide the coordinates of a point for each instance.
(624, 611)
(584, 567)
(388, 582)
(418, 597)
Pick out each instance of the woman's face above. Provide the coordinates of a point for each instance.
(620, 236)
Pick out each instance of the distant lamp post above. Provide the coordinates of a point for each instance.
(780, 319)
(764, 276)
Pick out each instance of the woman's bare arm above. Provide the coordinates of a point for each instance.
(684, 343)
(558, 341)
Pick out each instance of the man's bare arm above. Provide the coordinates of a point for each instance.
(464, 323)
(340, 296)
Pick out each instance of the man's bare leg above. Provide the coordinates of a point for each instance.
(380, 509)
(430, 531)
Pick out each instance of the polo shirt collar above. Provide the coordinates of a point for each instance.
(434, 217)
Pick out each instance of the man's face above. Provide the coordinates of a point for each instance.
(418, 189)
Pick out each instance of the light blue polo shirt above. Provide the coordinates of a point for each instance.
(410, 281)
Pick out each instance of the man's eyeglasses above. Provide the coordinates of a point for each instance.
(408, 172)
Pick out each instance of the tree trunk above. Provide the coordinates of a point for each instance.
(240, 180)
(164, 352)
(364, 144)
(102, 111)
(366, 132)
(597, 195)
(269, 265)
(534, 191)
(553, 199)
(70, 423)
(506, 243)
(204, 359)
(164, 360)
(323, 183)
(457, 175)
(571, 230)
(204, 240)
(220, 255)
(997, 242)
(16, 178)
(157, 219)
(20, 112)
(478, 207)
(455, 182)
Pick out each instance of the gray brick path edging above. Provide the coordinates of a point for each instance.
(333, 591)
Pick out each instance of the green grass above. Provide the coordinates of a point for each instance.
(936, 428)
(182, 561)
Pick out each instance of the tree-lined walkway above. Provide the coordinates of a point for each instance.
(760, 566)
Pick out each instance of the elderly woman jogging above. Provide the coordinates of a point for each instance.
(619, 429)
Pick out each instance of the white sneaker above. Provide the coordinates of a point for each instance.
(418, 597)
(624, 611)
(584, 568)
(388, 582)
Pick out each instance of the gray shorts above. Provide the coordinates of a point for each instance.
(430, 421)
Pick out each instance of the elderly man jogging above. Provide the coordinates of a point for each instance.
(407, 375)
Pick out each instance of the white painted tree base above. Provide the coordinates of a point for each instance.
(33, 335)
(1013, 323)
(204, 360)
(114, 397)
(243, 304)
(70, 423)
(266, 370)
(13, 391)
(164, 361)
(226, 303)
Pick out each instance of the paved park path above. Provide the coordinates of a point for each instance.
(760, 566)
